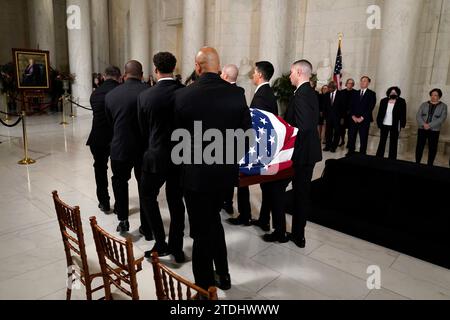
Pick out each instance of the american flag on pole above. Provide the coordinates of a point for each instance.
(338, 68)
(273, 148)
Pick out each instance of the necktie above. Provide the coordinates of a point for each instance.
(332, 98)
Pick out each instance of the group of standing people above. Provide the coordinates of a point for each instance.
(352, 110)
(133, 124)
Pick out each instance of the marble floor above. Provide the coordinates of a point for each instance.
(32, 261)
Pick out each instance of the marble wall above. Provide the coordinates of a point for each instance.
(432, 61)
(13, 16)
(238, 29)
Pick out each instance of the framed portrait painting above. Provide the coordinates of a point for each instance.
(32, 69)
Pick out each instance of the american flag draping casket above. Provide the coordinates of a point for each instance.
(270, 154)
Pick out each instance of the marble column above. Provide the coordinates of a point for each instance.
(400, 19)
(80, 52)
(42, 27)
(272, 41)
(140, 34)
(100, 35)
(193, 33)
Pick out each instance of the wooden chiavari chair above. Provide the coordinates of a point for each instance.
(169, 285)
(118, 264)
(69, 220)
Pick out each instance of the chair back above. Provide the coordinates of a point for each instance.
(171, 286)
(71, 228)
(117, 262)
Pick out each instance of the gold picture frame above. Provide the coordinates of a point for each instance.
(32, 69)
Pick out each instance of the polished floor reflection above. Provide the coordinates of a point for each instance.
(32, 261)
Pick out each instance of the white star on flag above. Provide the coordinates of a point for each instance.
(272, 140)
(263, 121)
(252, 151)
(261, 131)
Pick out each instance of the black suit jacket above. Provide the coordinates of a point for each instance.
(399, 113)
(101, 133)
(156, 113)
(218, 105)
(121, 111)
(333, 112)
(363, 107)
(240, 88)
(303, 113)
(347, 102)
(265, 100)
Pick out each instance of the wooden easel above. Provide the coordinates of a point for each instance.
(28, 97)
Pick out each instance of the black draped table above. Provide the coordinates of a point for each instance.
(399, 205)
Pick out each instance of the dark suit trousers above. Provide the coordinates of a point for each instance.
(432, 137)
(209, 247)
(363, 130)
(244, 206)
(121, 176)
(393, 133)
(266, 203)
(101, 158)
(151, 185)
(229, 195)
(276, 203)
(302, 200)
(333, 133)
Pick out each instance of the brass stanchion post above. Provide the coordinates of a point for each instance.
(5, 101)
(26, 160)
(72, 114)
(63, 119)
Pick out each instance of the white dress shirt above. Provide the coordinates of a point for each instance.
(389, 119)
(300, 86)
(166, 79)
(333, 97)
(262, 84)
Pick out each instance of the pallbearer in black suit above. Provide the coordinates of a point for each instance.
(101, 135)
(156, 116)
(303, 113)
(230, 73)
(391, 119)
(219, 106)
(264, 99)
(333, 103)
(348, 93)
(126, 146)
(363, 103)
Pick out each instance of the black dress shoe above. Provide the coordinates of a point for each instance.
(179, 257)
(228, 209)
(342, 144)
(326, 149)
(104, 207)
(124, 226)
(148, 237)
(162, 251)
(274, 237)
(301, 243)
(333, 150)
(239, 222)
(223, 282)
(264, 227)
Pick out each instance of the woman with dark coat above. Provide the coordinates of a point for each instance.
(391, 119)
